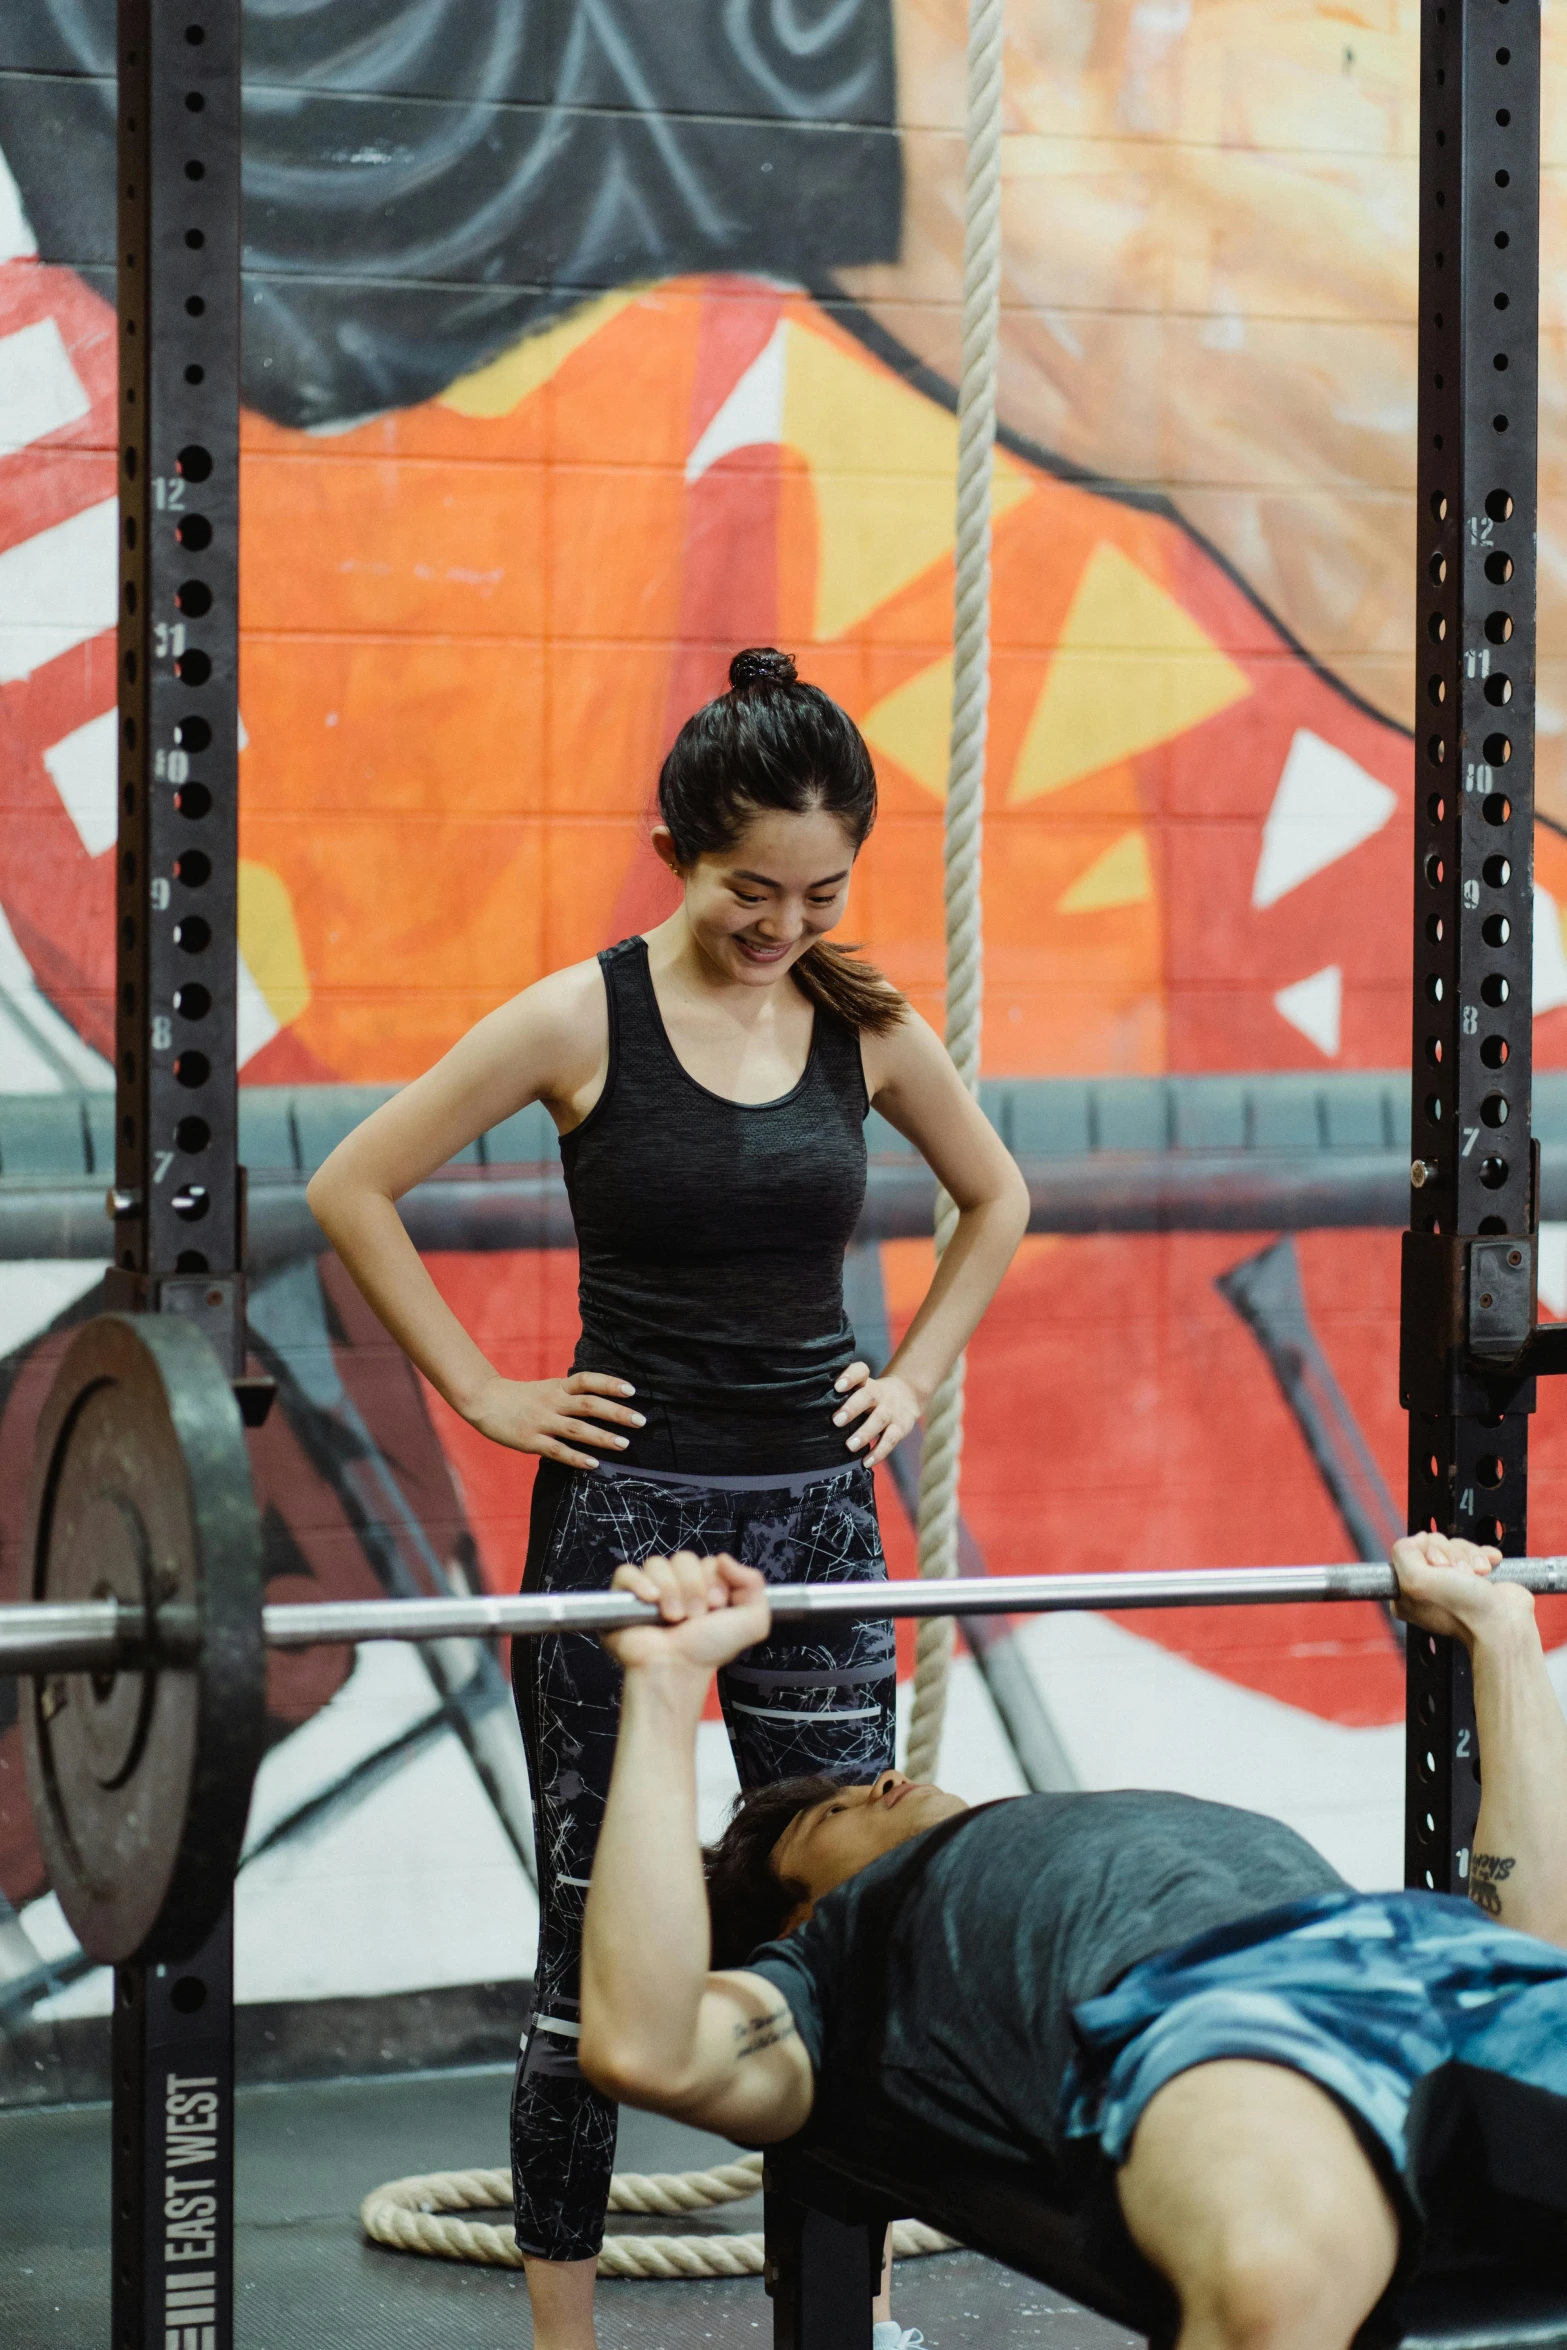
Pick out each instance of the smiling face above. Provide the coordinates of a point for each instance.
(834, 1839)
(755, 907)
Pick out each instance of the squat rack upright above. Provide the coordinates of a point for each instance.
(1469, 1347)
(178, 1198)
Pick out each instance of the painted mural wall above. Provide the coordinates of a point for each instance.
(584, 343)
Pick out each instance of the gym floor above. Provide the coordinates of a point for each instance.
(306, 2155)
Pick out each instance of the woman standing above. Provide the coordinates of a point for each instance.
(710, 1083)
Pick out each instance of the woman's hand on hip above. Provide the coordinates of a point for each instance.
(885, 1410)
(551, 1416)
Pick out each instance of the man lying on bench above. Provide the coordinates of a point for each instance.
(1294, 2088)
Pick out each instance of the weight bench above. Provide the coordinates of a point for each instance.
(825, 2217)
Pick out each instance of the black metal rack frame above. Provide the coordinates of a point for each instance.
(177, 1200)
(1469, 1346)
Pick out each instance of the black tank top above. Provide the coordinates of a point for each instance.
(711, 1236)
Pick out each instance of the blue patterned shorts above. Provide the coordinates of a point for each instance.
(1440, 2033)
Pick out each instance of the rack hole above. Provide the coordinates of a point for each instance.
(190, 1260)
(1435, 871)
(1499, 506)
(194, 532)
(1493, 1052)
(1435, 989)
(1498, 424)
(193, 597)
(189, 1994)
(192, 1069)
(1436, 687)
(195, 375)
(1496, 930)
(1498, 689)
(1497, 872)
(191, 1202)
(194, 462)
(1493, 1224)
(193, 800)
(1436, 628)
(1493, 1110)
(195, 103)
(193, 867)
(195, 35)
(1436, 750)
(1434, 1051)
(1436, 807)
(1496, 807)
(193, 935)
(1438, 569)
(1490, 1471)
(1438, 501)
(195, 239)
(1493, 1173)
(194, 667)
(1435, 929)
(1494, 990)
(192, 1002)
(192, 1134)
(1498, 627)
(193, 734)
(195, 171)
(195, 307)
(1504, 179)
(1434, 1108)
(1498, 750)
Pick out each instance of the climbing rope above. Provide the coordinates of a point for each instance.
(936, 1523)
(418, 2215)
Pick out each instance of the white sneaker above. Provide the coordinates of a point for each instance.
(887, 2334)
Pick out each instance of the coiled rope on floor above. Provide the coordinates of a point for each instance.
(936, 1525)
(424, 2215)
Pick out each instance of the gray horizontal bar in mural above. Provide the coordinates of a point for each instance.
(1101, 1154)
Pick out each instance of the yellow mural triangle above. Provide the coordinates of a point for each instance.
(883, 461)
(1131, 669)
(1122, 876)
(913, 725)
(504, 383)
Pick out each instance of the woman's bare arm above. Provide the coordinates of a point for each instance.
(912, 1082)
(549, 1044)
(1518, 1868)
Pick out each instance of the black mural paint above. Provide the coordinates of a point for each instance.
(426, 180)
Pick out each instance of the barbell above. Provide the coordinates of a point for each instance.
(143, 1643)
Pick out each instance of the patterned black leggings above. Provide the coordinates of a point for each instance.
(791, 1706)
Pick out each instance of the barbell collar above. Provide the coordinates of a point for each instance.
(96, 1636)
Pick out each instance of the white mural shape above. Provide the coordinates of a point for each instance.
(1326, 804)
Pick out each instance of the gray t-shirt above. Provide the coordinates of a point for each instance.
(933, 1992)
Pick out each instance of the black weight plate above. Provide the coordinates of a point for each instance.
(141, 1779)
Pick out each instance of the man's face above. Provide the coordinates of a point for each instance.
(832, 1840)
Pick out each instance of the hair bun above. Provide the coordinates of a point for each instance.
(761, 665)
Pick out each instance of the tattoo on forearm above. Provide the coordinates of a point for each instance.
(1488, 1873)
(763, 2031)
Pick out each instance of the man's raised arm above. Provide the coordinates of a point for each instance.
(1518, 1869)
(658, 2028)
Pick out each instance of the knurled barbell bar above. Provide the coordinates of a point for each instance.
(144, 1643)
(104, 1636)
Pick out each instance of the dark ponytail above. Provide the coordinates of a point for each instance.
(771, 742)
